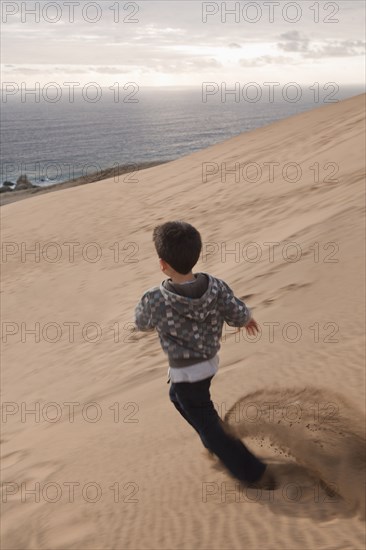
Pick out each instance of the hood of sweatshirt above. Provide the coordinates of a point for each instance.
(196, 309)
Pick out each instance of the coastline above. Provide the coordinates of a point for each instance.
(14, 196)
(107, 173)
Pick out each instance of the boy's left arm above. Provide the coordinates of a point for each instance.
(143, 316)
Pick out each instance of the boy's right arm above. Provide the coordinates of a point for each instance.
(236, 313)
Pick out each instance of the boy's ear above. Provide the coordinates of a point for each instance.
(163, 265)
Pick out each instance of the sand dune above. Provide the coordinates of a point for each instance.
(110, 462)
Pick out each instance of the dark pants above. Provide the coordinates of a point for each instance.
(193, 401)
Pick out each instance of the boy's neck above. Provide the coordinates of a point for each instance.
(178, 278)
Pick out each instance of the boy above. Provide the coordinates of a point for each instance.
(188, 311)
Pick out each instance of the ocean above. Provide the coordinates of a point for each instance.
(55, 141)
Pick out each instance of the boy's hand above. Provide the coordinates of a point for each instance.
(252, 328)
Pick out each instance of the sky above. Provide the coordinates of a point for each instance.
(182, 43)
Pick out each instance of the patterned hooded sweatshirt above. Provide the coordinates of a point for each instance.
(190, 329)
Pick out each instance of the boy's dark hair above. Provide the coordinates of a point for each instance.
(179, 244)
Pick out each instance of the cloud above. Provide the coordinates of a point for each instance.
(171, 43)
(293, 42)
(184, 65)
(343, 48)
(266, 60)
(108, 70)
(24, 70)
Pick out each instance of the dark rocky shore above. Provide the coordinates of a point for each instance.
(24, 188)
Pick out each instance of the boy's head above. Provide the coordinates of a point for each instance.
(178, 244)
